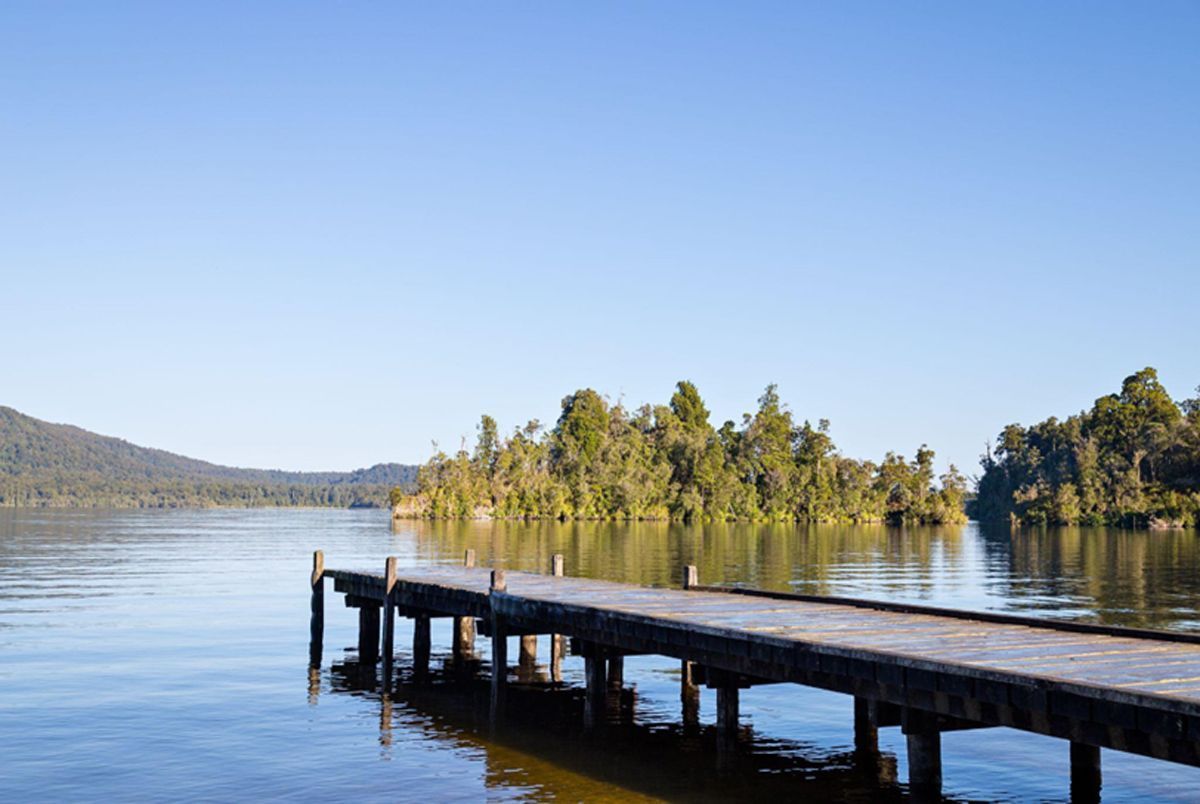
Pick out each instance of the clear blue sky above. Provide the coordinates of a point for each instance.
(318, 236)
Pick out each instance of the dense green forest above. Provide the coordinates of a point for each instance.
(601, 461)
(1132, 460)
(57, 465)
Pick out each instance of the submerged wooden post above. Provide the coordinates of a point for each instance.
(463, 637)
(866, 732)
(558, 642)
(499, 645)
(727, 709)
(389, 617)
(924, 752)
(527, 655)
(596, 698)
(689, 690)
(1085, 772)
(368, 632)
(316, 623)
(421, 645)
(616, 672)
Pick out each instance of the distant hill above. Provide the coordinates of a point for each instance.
(44, 464)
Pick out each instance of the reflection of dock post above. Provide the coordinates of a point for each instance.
(463, 637)
(1085, 772)
(924, 753)
(689, 691)
(558, 642)
(499, 644)
(389, 618)
(316, 625)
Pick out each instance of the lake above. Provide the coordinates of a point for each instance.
(162, 655)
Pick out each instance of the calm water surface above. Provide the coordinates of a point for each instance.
(163, 656)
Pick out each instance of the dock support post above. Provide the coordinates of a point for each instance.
(1085, 772)
(689, 691)
(924, 752)
(616, 672)
(596, 697)
(316, 624)
(368, 633)
(499, 646)
(389, 618)
(558, 642)
(727, 710)
(527, 655)
(866, 732)
(421, 645)
(463, 637)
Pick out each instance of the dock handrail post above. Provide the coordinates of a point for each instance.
(463, 637)
(316, 626)
(499, 644)
(689, 690)
(389, 618)
(558, 642)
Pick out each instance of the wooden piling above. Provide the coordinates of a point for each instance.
(389, 617)
(924, 752)
(421, 645)
(316, 624)
(368, 633)
(558, 642)
(1085, 772)
(463, 635)
(499, 645)
(616, 672)
(596, 697)
(689, 690)
(527, 655)
(866, 731)
(727, 710)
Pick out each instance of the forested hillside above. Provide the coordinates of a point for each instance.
(601, 461)
(1133, 460)
(44, 464)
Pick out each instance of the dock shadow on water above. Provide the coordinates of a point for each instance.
(536, 746)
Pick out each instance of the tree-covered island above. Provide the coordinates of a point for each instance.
(1132, 460)
(602, 461)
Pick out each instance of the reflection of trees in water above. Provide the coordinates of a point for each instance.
(540, 750)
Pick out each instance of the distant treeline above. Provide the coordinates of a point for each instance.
(57, 465)
(1132, 460)
(601, 461)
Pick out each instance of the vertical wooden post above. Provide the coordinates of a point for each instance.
(499, 645)
(727, 709)
(616, 672)
(924, 752)
(464, 627)
(316, 623)
(689, 691)
(596, 697)
(368, 633)
(866, 733)
(421, 645)
(527, 655)
(1085, 772)
(389, 618)
(558, 642)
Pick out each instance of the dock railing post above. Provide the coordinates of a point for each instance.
(499, 645)
(689, 690)
(316, 625)
(389, 618)
(463, 637)
(558, 642)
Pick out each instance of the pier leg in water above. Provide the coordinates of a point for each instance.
(616, 672)
(421, 644)
(727, 711)
(527, 657)
(596, 697)
(1085, 773)
(368, 633)
(316, 624)
(924, 753)
(689, 694)
(499, 648)
(389, 619)
(463, 636)
(558, 642)
(866, 733)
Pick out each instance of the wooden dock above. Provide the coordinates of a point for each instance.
(924, 669)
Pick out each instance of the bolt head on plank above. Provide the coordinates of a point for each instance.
(499, 584)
